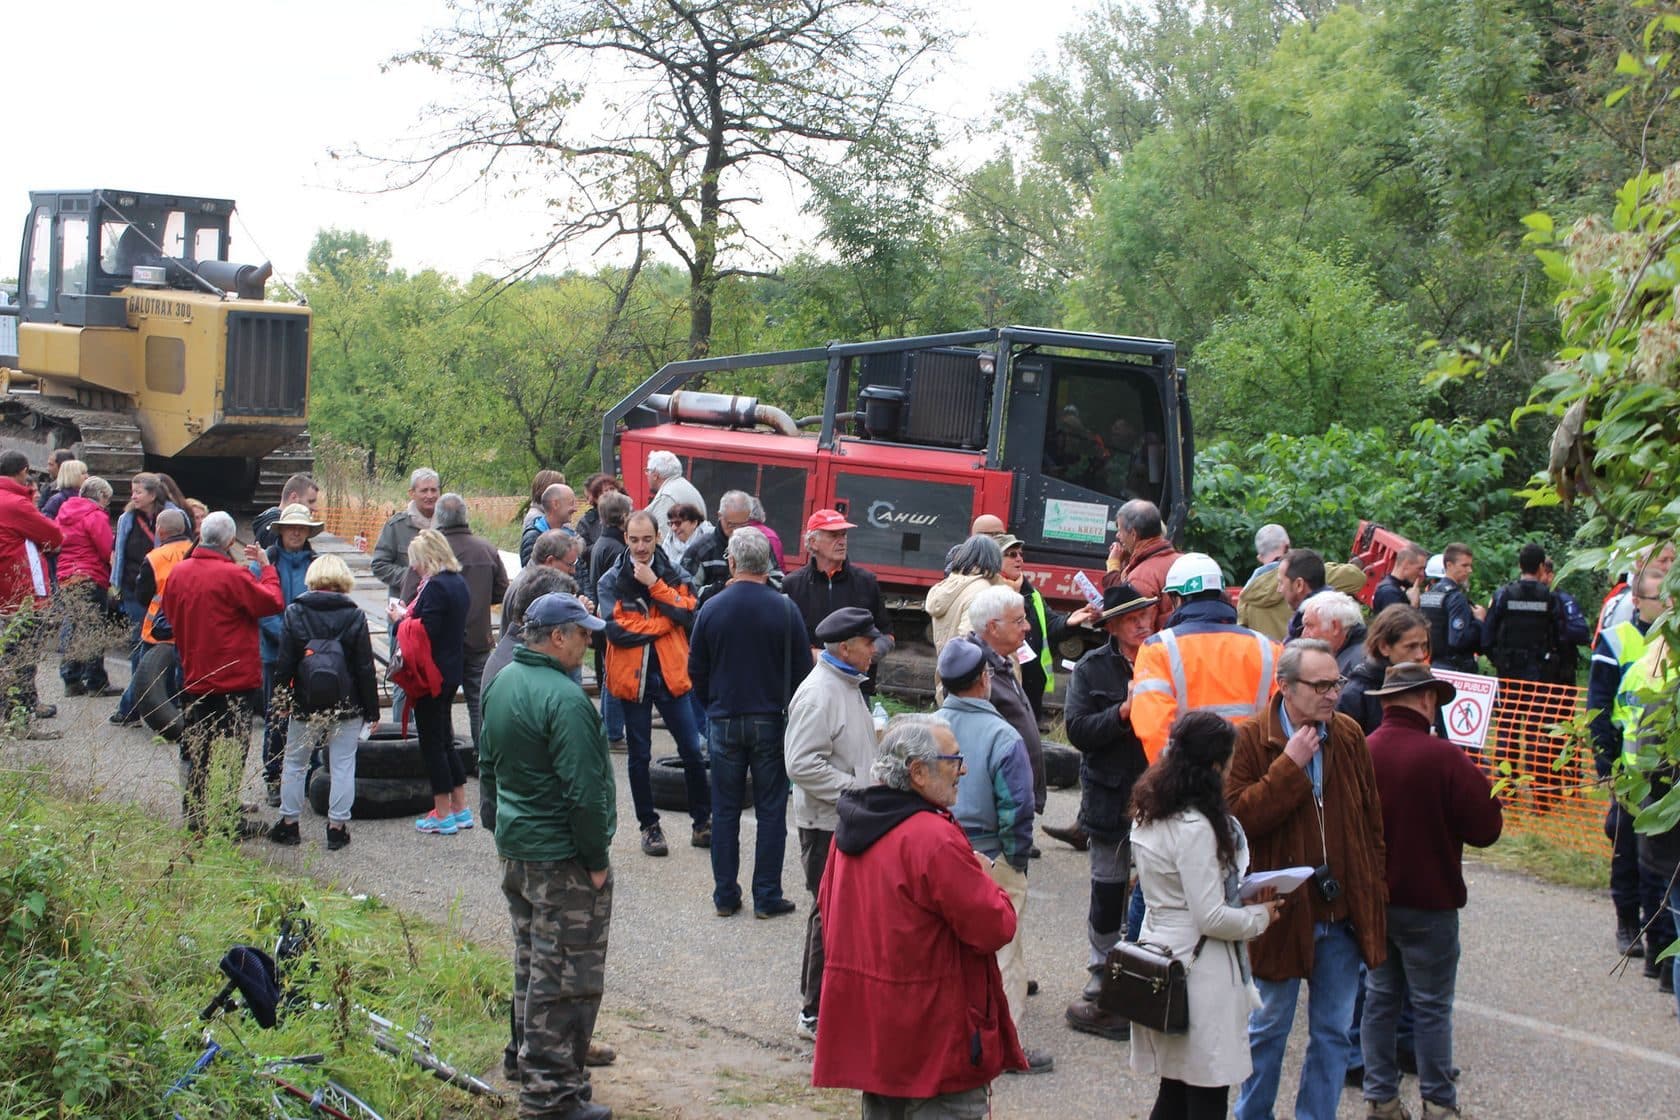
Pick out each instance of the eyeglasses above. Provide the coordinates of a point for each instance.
(956, 758)
(1325, 688)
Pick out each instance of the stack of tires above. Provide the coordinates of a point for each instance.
(390, 775)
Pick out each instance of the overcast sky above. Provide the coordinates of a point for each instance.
(245, 100)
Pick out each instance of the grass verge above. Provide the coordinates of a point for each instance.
(111, 928)
(1534, 855)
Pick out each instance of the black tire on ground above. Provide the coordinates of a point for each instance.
(158, 707)
(376, 798)
(670, 788)
(387, 754)
(1061, 766)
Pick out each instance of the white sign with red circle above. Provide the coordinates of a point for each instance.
(1468, 714)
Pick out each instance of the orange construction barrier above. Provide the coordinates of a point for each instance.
(361, 521)
(1562, 801)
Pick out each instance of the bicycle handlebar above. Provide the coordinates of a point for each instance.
(223, 1001)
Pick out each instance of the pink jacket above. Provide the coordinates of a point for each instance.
(88, 540)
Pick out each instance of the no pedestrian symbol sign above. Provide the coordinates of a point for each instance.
(1468, 714)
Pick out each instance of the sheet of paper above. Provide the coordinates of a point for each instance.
(1284, 880)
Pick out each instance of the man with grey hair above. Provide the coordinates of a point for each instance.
(998, 617)
(559, 504)
(828, 748)
(487, 583)
(1302, 785)
(390, 551)
(1141, 555)
(544, 764)
(705, 563)
(668, 488)
(746, 657)
(1335, 619)
(213, 604)
(913, 923)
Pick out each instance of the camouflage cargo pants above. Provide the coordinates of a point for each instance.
(559, 967)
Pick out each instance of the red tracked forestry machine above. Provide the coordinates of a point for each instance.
(1049, 430)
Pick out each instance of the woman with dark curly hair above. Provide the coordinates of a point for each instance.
(1191, 856)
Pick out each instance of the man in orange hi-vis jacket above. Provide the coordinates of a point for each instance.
(1202, 661)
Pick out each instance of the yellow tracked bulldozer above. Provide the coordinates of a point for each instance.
(136, 342)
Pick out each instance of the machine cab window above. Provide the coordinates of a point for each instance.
(1103, 430)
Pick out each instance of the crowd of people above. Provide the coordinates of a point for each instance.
(1222, 732)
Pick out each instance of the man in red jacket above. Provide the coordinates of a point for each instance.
(913, 1010)
(24, 536)
(213, 605)
(1434, 801)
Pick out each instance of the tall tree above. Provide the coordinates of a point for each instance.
(661, 119)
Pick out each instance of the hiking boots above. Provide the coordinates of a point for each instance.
(1085, 1016)
(653, 841)
(1627, 937)
(1387, 1110)
(701, 836)
(1432, 1110)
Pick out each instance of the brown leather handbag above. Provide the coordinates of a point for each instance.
(1144, 983)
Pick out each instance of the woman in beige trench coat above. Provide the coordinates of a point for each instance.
(1190, 855)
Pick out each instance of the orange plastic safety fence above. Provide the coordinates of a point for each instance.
(361, 522)
(1562, 801)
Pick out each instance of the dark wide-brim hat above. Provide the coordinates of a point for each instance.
(1409, 676)
(1123, 599)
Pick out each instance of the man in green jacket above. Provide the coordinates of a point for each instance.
(543, 763)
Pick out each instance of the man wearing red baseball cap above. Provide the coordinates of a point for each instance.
(828, 582)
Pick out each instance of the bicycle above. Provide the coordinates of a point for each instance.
(387, 1036)
(251, 973)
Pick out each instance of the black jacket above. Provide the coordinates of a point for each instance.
(328, 614)
(1111, 756)
(1366, 710)
(603, 554)
(1389, 592)
(705, 563)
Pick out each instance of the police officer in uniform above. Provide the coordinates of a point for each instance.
(1455, 632)
(1523, 637)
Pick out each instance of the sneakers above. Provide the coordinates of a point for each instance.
(775, 909)
(653, 841)
(441, 826)
(1038, 1061)
(337, 838)
(464, 819)
(120, 720)
(1390, 1109)
(285, 833)
(806, 1027)
(701, 837)
(1085, 1016)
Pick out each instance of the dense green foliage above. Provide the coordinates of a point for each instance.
(111, 926)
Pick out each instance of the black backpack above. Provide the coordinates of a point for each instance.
(323, 676)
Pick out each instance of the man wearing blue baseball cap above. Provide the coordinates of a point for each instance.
(543, 764)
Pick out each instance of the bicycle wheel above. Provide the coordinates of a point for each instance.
(437, 1067)
(327, 1099)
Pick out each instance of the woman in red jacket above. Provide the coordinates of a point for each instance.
(913, 1008)
(84, 579)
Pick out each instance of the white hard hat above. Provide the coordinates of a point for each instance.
(1192, 573)
(1436, 568)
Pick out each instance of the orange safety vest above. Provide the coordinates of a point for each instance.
(163, 559)
(1211, 667)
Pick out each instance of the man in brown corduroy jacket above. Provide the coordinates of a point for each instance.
(1302, 786)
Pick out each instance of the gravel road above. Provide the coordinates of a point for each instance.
(702, 1008)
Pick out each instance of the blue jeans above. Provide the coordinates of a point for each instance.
(1334, 983)
(136, 615)
(1422, 959)
(1402, 1032)
(739, 744)
(678, 712)
(1674, 912)
(612, 714)
(1134, 914)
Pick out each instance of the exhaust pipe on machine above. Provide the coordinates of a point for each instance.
(720, 410)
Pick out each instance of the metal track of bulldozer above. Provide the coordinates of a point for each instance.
(295, 456)
(108, 442)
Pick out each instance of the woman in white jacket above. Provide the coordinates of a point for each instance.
(1190, 855)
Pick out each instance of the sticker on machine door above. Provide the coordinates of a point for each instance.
(1086, 522)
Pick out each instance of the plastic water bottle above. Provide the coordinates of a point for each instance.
(880, 714)
(361, 542)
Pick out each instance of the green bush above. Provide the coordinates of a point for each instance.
(1433, 484)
